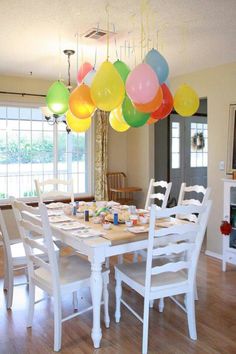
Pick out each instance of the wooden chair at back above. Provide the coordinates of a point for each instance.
(117, 189)
(54, 188)
(192, 195)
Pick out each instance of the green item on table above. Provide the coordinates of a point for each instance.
(101, 210)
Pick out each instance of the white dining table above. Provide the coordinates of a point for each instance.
(113, 242)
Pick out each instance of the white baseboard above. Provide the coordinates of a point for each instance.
(213, 254)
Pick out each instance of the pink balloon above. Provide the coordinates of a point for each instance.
(84, 69)
(142, 84)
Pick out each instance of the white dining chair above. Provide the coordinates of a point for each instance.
(161, 277)
(54, 189)
(192, 195)
(158, 190)
(57, 277)
(14, 260)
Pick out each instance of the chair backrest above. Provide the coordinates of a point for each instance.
(34, 222)
(181, 238)
(192, 195)
(54, 188)
(115, 180)
(6, 241)
(162, 193)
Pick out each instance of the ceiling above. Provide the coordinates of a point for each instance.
(192, 34)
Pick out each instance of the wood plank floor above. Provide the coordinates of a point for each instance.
(215, 312)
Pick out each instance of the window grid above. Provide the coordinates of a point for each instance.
(27, 152)
(199, 145)
(175, 145)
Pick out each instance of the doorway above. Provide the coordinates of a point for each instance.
(184, 149)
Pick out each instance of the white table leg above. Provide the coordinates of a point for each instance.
(96, 292)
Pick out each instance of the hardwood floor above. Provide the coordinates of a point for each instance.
(215, 313)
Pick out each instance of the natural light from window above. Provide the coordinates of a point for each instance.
(31, 148)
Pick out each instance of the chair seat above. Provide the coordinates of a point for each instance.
(137, 272)
(67, 273)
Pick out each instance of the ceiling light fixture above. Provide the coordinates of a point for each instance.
(57, 99)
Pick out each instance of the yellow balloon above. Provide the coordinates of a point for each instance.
(117, 121)
(186, 101)
(107, 90)
(76, 124)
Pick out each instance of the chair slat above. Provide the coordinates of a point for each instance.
(39, 262)
(170, 267)
(36, 244)
(172, 249)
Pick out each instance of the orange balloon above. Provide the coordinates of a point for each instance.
(152, 105)
(80, 102)
(152, 120)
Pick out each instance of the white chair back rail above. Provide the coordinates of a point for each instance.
(199, 192)
(161, 196)
(55, 191)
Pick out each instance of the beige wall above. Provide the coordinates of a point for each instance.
(218, 85)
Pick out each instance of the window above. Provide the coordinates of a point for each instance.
(175, 145)
(199, 145)
(31, 148)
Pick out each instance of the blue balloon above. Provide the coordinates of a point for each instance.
(158, 64)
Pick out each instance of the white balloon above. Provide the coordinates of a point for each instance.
(88, 79)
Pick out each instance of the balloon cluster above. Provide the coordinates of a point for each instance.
(133, 98)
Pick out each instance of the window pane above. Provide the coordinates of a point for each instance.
(12, 113)
(25, 125)
(25, 113)
(28, 152)
(175, 160)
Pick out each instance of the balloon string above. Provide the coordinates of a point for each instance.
(114, 30)
(77, 49)
(59, 49)
(107, 11)
(95, 58)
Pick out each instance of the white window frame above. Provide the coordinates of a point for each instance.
(90, 155)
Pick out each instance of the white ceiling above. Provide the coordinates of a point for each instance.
(192, 34)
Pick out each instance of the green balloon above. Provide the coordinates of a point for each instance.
(133, 117)
(122, 69)
(58, 98)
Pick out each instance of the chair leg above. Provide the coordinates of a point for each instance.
(6, 276)
(120, 259)
(107, 263)
(190, 307)
(10, 285)
(151, 304)
(161, 304)
(31, 303)
(118, 296)
(106, 299)
(145, 326)
(135, 257)
(57, 323)
(196, 293)
(75, 301)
